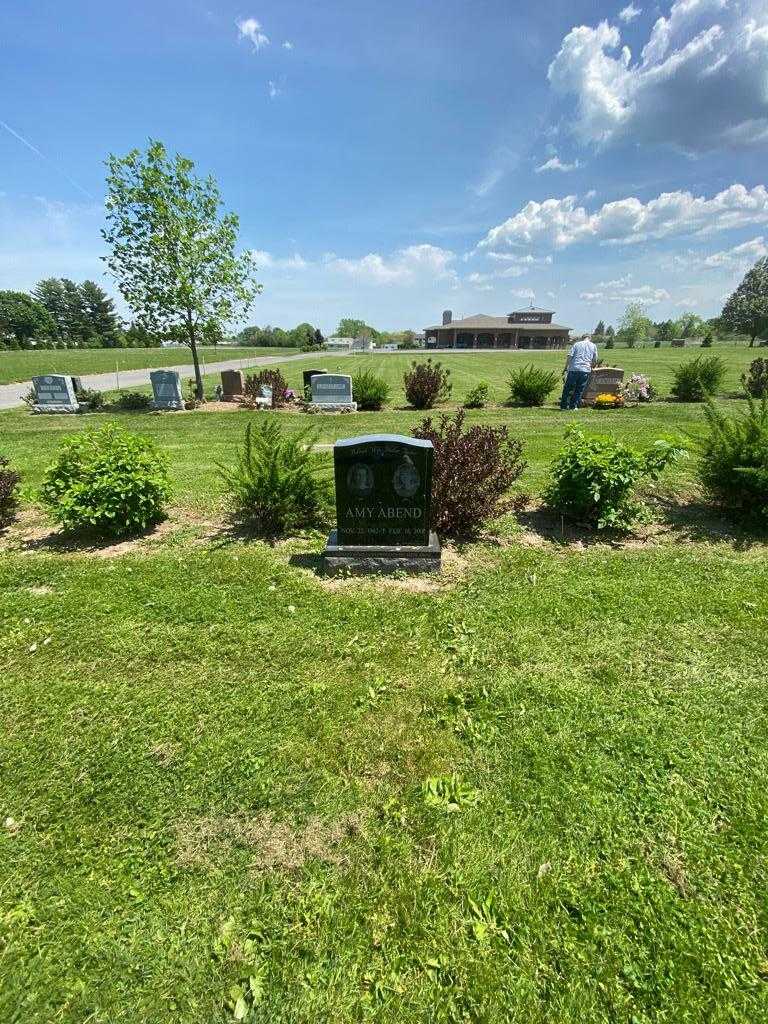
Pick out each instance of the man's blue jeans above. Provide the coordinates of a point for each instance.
(575, 385)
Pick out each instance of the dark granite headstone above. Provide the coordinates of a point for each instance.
(383, 489)
(54, 393)
(383, 502)
(231, 384)
(307, 376)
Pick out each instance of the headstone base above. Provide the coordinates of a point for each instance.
(58, 408)
(358, 560)
(332, 407)
(168, 406)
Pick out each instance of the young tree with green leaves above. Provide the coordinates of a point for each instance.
(172, 250)
(746, 311)
(634, 327)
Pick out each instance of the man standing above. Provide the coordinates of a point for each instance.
(582, 359)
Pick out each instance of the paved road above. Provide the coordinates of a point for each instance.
(11, 394)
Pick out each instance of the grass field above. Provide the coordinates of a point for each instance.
(532, 792)
(21, 366)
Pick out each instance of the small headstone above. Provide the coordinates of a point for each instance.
(332, 392)
(267, 393)
(54, 393)
(166, 389)
(231, 384)
(678, 343)
(307, 376)
(603, 380)
(383, 501)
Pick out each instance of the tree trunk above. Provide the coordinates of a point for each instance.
(752, 340)
(195, 358)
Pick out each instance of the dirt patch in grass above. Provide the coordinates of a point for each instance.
(275, 845)
(32, 532)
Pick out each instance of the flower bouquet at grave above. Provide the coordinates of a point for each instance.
(608, 401)
(638, 388)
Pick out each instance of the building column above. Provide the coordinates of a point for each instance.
(474, 340)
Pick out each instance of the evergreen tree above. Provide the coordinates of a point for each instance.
(600, 329)
(99, 315)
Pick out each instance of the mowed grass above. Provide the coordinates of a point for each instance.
(216, 767)
(21, 366)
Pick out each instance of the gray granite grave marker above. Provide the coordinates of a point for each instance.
(166, 389)
(383, 501)
(332, 392)
(54, 393)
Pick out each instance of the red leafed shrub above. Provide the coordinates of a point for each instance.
(271, 379)
(473, 471)
(9, 480)
(426, 384)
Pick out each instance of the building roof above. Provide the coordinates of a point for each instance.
(481, 322)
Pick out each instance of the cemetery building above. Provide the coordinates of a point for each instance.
(526, 328)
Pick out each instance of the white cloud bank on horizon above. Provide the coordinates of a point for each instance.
(558, 223)
(699, 84)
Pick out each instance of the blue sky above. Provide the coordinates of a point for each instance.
(391, 160)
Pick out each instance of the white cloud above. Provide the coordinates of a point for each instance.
(273, 89)
(523, 293)
(707, 57)
(406, 266)
(249, 28)
(737, 259)
(620, 291)
(630, 12)
(266, 261)
(287, 45)
(557, 223)
(556, 164)
(513, 257)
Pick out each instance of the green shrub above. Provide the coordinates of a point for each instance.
(594, 479)
(707, 340)
(477, 397)
(530, 385)
(276, 484)
(133, 401)
(91, 398)
(733, 462)
(109, 481)
(426, 384)
(9, 495)
(369, 391)
(270, 378)
(698, 378)
(472, 473)
(755, 380)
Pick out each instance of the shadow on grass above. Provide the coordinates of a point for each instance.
(693, 521)
(311, 560)
(87, 541)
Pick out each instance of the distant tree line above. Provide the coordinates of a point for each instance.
(60, 313)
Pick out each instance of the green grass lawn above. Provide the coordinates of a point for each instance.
(215, 766)
(21, 366)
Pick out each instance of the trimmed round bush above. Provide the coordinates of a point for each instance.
(369, 391)
(133, 401)
(477, 398)
(109, 481)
